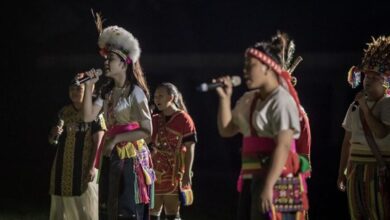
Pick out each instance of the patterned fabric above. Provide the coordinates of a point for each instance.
(291, 185)
(248, 206)
(267, 118)
(75, 152)
(368, 192)
(124, 149)
(288, 194)
(186, 196)
(169, 149)
(125, 182)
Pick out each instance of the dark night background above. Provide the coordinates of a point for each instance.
(187, 43)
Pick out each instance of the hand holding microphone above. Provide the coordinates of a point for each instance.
(56, 132)
(360, 100)
(220, 82)
(89, 77)
(224, 85)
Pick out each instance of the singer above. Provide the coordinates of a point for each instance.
(127, 178)
(73, 186)
(365, 156)
(268, 117)
(173, 142)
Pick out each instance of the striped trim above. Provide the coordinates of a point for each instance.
(367, 192)
(264, 58)
(363, 153)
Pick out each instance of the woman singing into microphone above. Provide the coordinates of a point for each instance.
(269, 118)
(126, 179)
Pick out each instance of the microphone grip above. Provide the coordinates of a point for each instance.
(83, 80)
(213, 86)
(204, 87)
(355, 103)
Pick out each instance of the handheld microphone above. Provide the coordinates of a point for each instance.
(57, 137)
(204, 87)
(78, 82)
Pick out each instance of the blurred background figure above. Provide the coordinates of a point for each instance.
(173, 144)
(365, 155)
(73, 188)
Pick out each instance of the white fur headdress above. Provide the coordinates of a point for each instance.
(118, 40)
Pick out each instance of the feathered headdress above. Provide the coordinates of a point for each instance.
(117, 40)
(376, 59)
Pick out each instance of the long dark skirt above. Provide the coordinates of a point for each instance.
(117, 190)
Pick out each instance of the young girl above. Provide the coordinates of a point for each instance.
(126, 175)
(72, 185)
(268, 116)
(173, 140)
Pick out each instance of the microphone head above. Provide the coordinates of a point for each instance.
(60, 123)
(99, 72)
(236, 80)
(203, 87)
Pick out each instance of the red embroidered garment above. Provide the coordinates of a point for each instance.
(168, 140)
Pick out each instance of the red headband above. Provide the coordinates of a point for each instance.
(265, 59)
(279, 70)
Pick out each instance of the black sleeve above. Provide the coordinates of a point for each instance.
(191, 138)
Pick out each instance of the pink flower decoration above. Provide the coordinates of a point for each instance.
(128, 60)
(103, 52)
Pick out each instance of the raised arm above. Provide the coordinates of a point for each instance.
(90, 111)
(226, 127)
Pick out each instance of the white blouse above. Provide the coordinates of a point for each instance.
(129, 108)
(353, 124)
(278, 112)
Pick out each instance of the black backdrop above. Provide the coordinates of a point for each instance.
(184, 42)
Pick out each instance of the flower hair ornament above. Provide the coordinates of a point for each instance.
(376, 59)
(114, 39)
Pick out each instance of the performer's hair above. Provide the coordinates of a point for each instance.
(281, 49)
(134, 74)
(177, 96)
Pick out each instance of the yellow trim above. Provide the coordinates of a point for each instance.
(130, 150)
(251, 166)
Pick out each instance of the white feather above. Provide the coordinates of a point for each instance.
(118, 38)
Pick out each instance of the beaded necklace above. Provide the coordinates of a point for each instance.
(113, 99)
